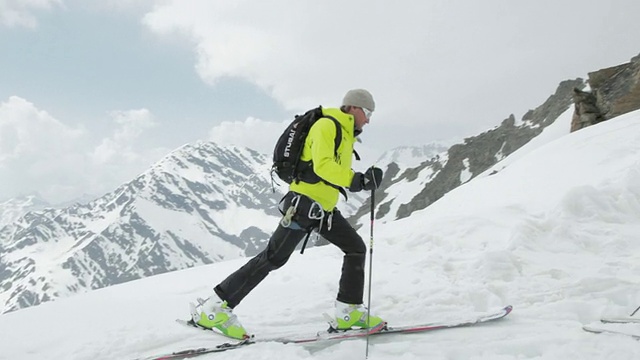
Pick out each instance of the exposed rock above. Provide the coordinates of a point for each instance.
(586, 110)
(485, 150)
(614, 91)
(464, 161)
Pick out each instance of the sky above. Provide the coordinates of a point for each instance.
(94, 92)
(563, 257)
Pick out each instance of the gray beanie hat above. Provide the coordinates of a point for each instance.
(359, 98)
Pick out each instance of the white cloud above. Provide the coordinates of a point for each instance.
(21, 13)
(39, 153)
(253, 133)
(35, 149)
(120, 147)
(127, 6)
(295, 54)
(441, 69)
(26, 132)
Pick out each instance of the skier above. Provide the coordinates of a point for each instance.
(311, 205)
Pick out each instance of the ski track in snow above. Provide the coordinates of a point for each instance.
(554, 233)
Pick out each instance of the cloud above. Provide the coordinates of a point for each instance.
(120, 147)
(253, 133)
(441, 69)
(26, 132)
(123, 6)
(20, 13)
(295, 55)
(35, 148)
(39, 153)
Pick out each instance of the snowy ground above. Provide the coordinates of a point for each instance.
(555, 233)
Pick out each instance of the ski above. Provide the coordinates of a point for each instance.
(333, 335)
(192, 325)
(614, 320)
(191, 353)
(448, 324)
(598, 330)
(388, 330)
(620, 321)
(330, 334)
(321, 336)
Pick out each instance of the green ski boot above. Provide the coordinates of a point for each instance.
(354, 315)
(214, 313)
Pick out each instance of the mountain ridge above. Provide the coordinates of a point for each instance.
(167, 218)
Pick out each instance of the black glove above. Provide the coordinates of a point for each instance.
(370, 180)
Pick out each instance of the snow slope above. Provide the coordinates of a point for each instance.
(555, 233)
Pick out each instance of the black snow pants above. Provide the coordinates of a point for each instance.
(283, 242)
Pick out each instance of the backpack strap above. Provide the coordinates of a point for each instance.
(308, 174)
(338, 139)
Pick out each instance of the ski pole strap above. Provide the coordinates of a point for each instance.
(306, 239)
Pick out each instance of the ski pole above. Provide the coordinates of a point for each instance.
(373, 200)
(634, 311)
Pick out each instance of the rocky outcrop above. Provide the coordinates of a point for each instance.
(480, 152)
(444, 172)
(586, 111)
(614, 91)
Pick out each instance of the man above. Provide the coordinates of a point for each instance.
(311, 204)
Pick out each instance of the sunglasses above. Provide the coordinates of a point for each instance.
(367, 112)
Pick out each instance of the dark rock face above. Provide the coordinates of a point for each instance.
(614, 91)
(464, 161)
(586, 110)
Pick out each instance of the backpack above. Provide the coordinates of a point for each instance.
(286, 154)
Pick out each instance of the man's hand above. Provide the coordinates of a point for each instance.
(370, 180)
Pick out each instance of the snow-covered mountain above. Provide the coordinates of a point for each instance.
(412, 156)
(200, 204)
(554, 233)
(82, 199)
(12, 209)
(408, 189)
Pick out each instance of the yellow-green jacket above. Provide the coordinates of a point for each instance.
(319, 147)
